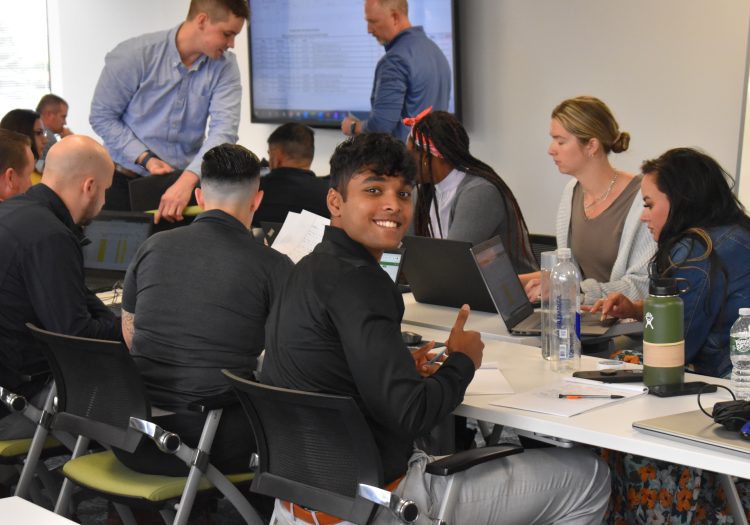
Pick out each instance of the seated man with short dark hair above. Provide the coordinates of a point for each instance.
(336, 328)
(16, 164)
(195, 301)
(291, 186)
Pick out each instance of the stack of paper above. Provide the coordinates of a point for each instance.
(300, 233)
(548, 400)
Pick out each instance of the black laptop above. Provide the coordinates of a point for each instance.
(443, 272)
(115, 238)
(510, 298)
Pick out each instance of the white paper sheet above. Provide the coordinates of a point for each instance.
(547, 399)
(300, 233)
(489, 379)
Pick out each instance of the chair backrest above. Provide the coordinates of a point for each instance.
(99, 388)
(314, 449)
(542, 243)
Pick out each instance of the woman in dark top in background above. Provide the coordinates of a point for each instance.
(460, 197)
(29, 123)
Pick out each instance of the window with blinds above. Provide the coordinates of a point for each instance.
(24, 54)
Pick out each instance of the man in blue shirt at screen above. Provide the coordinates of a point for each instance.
(412, 75)
(156, 94)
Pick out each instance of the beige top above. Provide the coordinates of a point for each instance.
(595, 242)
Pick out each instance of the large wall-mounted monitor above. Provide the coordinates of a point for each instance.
(313, 61)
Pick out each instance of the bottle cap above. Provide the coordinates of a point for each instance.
(563, 253)
(663, 286)
(744, 311)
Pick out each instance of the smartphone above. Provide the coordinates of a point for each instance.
(611, 376)
(681, 389)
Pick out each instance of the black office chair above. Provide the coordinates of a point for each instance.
(317, 451)
(101, 397)
(542, 243)
(35, 482)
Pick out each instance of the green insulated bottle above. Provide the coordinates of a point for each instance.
(663, 337)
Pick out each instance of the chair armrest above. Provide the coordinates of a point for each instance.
(35, 372)
(465, 459)
(206, 404)
(167, 442)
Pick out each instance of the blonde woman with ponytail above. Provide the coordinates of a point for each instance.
(598, 215)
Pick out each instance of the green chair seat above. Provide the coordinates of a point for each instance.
(17, 447)
(102, 472)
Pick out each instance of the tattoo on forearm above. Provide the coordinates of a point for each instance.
(127, 322)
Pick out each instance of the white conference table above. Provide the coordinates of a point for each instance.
(609, 426)
(18, 511)
(490, 325)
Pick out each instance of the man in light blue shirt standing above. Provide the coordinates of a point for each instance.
(158, 93)
(412, 75)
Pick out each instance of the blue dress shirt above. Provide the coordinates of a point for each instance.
(147, 99)
(412, 75)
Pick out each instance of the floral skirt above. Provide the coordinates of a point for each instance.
(647, 491)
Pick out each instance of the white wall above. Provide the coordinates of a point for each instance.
(672, 71)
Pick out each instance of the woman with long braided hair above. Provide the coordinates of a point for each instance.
(460, 197)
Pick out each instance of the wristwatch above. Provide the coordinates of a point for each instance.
(149, 155)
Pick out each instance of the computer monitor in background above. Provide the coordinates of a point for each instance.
(313, 62)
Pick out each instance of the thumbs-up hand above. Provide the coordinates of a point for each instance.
(467, 342)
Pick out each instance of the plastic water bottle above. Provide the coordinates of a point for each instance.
(565, 306)
(739, 349)
(548, 261)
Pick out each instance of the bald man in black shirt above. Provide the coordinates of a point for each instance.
(41, 263)
(336, 329)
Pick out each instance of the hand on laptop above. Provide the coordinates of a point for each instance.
(617, 305)
(467, 342)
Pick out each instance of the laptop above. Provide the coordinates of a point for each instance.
(696, 428)
(115, 238)
(509, 297)
(443, 272)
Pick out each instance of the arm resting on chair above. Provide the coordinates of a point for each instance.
(468, 458)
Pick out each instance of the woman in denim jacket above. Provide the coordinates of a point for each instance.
(703, 236)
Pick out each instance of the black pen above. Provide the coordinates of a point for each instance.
(589, 396)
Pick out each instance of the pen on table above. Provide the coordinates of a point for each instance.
(589, 396)
(435, 359)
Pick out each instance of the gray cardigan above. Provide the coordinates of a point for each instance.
(479, 213)
(630, 270)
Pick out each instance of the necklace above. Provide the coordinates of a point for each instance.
(604, 195)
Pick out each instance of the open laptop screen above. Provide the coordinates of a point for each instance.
(115, 238)
(391, 262)
(502, 282)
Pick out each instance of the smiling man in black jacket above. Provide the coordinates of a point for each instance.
(336, 328)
